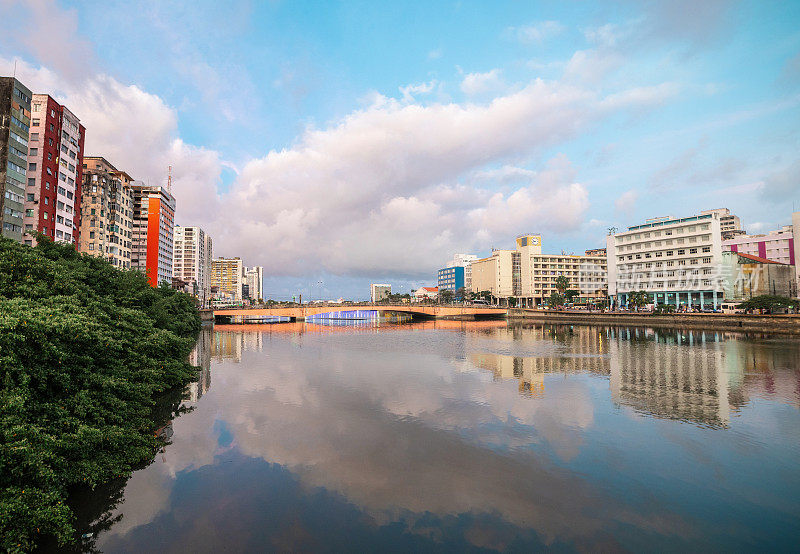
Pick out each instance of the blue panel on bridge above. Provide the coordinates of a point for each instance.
(351, 315)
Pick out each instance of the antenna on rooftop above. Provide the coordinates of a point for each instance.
(169, 180)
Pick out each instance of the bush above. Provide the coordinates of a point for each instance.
(84, 348)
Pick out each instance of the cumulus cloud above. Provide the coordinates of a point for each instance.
(480, 83)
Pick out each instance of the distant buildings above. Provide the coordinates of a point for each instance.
(451, 278)
(379, 291)
(254, 279)
(227, 275)
(15, 119)
(107, 212)
(153, 222)
(55, 172)
(192, 256)
(529, 276)
(426, 293)
(674, 260)
(729, 225)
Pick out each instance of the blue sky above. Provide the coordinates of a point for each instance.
(349, 142)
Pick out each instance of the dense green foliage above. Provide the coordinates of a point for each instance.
(84, 348)
(769, 303)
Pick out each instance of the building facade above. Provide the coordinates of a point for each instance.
(729, 225)
(776, 245)
(452, 279)
(106, 213)
(465, 261)
(529, 276)
(55, 172)
(15, 120)
(192, 255)
(746, 276)
(675, 261)
(379, 291)
(254, 278)
(153, 228)
(227, 275)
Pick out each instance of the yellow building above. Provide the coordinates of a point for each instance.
(530, 276)
(227, 275)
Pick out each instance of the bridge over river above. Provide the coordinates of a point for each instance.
(300, 313)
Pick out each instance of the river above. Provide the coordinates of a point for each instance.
(450, 436)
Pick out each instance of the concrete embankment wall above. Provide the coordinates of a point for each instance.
(787, 324)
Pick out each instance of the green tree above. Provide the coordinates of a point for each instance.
(555, 300)
(562, 284)
(84, 349)
(570, 294)
(769, 303)
(446, 296)
(638, 299)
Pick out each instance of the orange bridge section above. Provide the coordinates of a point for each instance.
(428, 312)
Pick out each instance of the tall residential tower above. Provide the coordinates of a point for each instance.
(15, 119)
(192, 260)
(153, 222)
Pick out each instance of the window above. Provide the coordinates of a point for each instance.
(33, 152)
(34, 137)
(46, 200)
(49, 171)
(35, 122)
(681, 252)
(693, 251)
(32, 167)
(31, 181)
(706, 249)
(706, 260)
(30, 197)
(29, 213)
(44, 215)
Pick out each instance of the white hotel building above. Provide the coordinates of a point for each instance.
(676, 261)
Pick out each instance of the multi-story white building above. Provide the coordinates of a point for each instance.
(465, 261)
(192, 255)
(676, 261)
(530, 276)
(254, 278)
(153, 222)
(379, 291)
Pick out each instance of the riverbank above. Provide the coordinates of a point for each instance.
(783, 324)
(85, 349)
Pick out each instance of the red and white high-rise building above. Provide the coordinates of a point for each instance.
(55, 172)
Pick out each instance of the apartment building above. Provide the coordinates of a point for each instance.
(730, 226)
(153, 228)
(254, 279)
(15, 119)
(675, 260)
(379, 291)
(107, 212)
(227, 275)
(775, 245)
(451, 278)
(530, 276)
(465, 261)
(55, 172)
(192, 255)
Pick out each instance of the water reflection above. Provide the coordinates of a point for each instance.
(459, 435)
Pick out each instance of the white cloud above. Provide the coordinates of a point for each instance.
(592, 66)
(626, 203)
(411, 92)
(536, 32)
(435, 54)
(481, 83)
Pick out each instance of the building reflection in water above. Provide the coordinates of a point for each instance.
(200, 357)
(694, 376)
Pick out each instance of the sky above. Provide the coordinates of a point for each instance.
(342, 143)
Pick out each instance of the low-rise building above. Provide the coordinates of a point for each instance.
(746, 276)
(425, 293)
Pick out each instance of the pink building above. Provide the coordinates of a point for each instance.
(777, 246)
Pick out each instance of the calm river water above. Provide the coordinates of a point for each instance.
(448, 436)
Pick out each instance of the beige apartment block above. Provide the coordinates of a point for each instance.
(530, 276)
(107, 212)
(227, 275)
(192, 255)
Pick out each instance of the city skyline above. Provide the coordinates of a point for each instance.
(354, 143)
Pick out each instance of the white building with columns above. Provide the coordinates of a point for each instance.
(676, 261)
